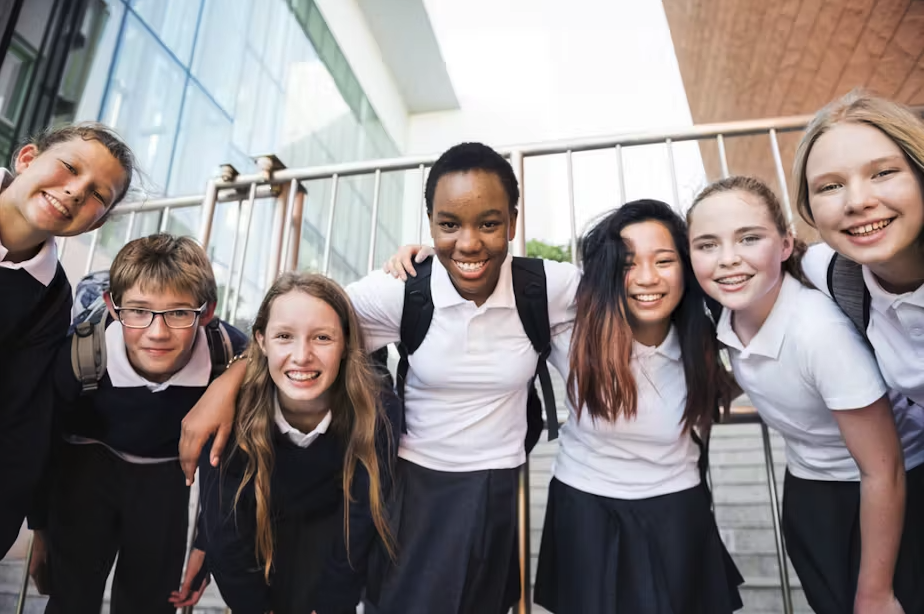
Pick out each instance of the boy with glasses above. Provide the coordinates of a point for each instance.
(115, 485)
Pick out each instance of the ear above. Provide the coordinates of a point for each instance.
(258, 337)
(110, 305)
(208, 314)
(26, 156)
(788, 244)
(512, 231)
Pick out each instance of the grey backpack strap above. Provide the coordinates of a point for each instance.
(846, 285)
(88, 353)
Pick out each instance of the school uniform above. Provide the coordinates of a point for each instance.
(806, 362)
(34, 315)
(454, 510)
(313, 570)
(628, 527)
(115, 483)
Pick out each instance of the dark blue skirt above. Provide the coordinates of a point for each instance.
(457, 544)
(661, 555)
(821, 526)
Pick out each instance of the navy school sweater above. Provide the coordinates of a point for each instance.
(131, 420)
(33, 323)
(305, 484)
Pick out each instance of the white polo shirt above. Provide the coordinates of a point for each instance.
(465, 394)
(896, 325)
(806, 361)
(43, 266)
(645, 456)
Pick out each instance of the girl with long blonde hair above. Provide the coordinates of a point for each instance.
(289, 514)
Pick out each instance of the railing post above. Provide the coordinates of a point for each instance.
(24, 583)
(621, 175)
(673, 169)
(777, 524)
(377, 186)
(519, 249)
(208, 213)
(329, 237)
(723, 159)
(251, 203)
(571, 215)
(781, 177)
(295, 229)
(91, 254)
(423, 203)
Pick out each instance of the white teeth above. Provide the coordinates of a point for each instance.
(57, 205)
(301, 376)
(647, 298)
(735, 279)
(859, 231)
(470, 266)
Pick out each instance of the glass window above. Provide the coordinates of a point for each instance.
(220, 50)
(143, 101)
(174, 21)
(246, 107)
(259, 25)
(280, 24)
(202, 144)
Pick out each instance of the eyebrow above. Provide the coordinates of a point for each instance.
(147, 305)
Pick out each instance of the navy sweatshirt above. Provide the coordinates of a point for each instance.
(306, 483)
(33, 323)
(132, 420)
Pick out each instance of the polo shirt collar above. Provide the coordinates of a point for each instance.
(445, 294)
(43, 266)
(769, 339)
(196, 373)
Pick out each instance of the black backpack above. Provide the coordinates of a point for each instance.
(846, 285)
(529, 290)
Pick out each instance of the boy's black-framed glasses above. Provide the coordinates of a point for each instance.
(139, 317)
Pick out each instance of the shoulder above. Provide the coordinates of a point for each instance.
(815, 265)
(562, 280)
(814, 314)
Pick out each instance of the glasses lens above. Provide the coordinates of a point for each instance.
(135, 318)
(181, 318)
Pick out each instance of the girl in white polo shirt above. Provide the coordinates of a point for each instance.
(812, 378)
(628, 528)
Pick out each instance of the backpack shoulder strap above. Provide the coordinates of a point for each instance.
(415, 322)
(846, 285)
(220, 349)
(531, 294)
(88, 351)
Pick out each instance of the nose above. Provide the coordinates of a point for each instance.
(859, 196)
(646, 274)
(302, 353)
(158, 328)
(76, 190)
(468, 241)
(728, 256)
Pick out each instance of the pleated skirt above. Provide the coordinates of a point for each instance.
(456, 535)
(821, 528)
(661, 555)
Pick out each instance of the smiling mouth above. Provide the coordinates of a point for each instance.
(733, 280)
(648, 298)
(56, 204)
(864, 230)
(303, 376)
(470, 267)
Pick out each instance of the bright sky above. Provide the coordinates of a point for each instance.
(534, 70)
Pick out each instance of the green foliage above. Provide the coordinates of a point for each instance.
(539, 249)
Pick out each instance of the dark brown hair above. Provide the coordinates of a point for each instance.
(756, 187)
(601, 345)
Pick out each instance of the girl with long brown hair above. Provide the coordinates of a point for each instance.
(290, 513)
(628, 527)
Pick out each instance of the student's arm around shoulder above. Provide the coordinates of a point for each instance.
(378, 299)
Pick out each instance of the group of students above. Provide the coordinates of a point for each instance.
(320, 486)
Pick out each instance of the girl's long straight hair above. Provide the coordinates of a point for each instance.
(355, 407)
(600, 378)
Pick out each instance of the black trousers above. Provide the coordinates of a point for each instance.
(102, 506)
